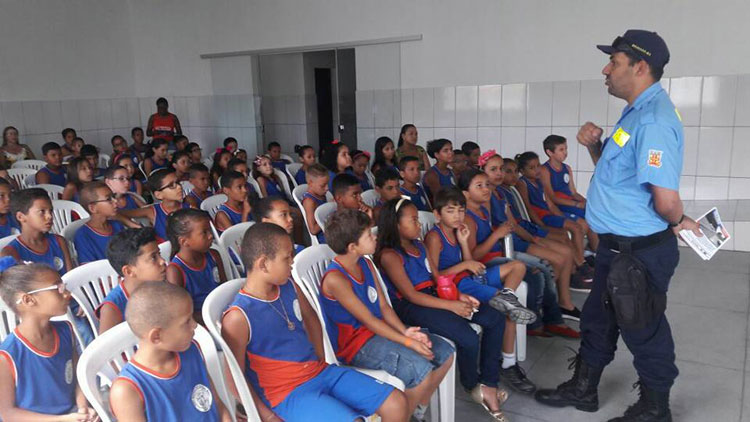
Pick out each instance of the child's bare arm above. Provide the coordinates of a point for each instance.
(174, 275)
(126, 402)
(432, 182)
(41, 177)
(69, 191)
(524, 192)
(109, 316)
(8, 251)
(309, 206)
(222, 221)
(434, 244)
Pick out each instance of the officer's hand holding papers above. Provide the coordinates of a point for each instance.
(706, 235)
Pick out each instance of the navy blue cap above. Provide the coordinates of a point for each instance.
(647, 45)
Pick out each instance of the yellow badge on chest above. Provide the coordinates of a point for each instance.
(621, 137)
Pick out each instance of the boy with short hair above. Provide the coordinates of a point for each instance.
(134, 255)
(91, 154)
(77, 145)
(8, 224)
(472, 151)
(280, 349)
(274, 151)
(68, 134)
(91, 239)
(557, 178)
(364, 329)
(409, 170)
(460, 161)
(237, 207)
(53, 172)
(160, 315)
(32, 208)
(165, 187)
(387, 186)
(201, 181)
(138, 147)
(317, 186)
(347, 192)
(273, 209)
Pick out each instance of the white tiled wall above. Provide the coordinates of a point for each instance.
(513, 118)
(206, 120)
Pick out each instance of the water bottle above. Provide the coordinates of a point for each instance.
(446, 289)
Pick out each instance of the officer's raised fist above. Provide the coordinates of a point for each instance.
(589, 134)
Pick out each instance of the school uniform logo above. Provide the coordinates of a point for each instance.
(427, 265)
(215, 274)
(201, 398)
(654, 158)
(566, 178)
(297, 310)
(372, 294)
(59, 264)
(69, 371)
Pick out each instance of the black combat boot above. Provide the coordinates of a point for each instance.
(652, 406)
(580, 391)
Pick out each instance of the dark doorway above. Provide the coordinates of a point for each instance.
(324, 96)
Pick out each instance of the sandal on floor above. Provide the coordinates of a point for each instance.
(478, 397)
(502, 396)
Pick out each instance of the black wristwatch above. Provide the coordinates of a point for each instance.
(677, 223)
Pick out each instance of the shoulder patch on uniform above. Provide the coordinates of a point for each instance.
(654, 158)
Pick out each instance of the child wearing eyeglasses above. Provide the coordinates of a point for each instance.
(91, 239)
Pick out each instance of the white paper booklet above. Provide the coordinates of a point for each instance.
(715, 235)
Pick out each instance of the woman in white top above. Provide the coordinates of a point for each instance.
(12, 150)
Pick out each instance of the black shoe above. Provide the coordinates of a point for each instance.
(579, 284)
(573, 314)
(580, 391)
(591, 261)
(586, 272)
(652, 406)
(515, 377)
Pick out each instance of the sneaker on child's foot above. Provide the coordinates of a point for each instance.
(572, 314)
(515, 377)
(580, 284)
(507, 303)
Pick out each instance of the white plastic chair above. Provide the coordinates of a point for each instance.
(370, 197)
(165, 250)
(291, 170)
(30, 181)
(307, 271)
(323, 212)
(104, 160)
(212, 203)
(54, 191)
(29, 164)
(21, 176)
(63, 214)
(284, 182)
(370, 177)
(109, 349)
(256, 186)
(231, 239)
(521, 206)
(186, 187)
(213, 309)
(297, 194)
(287, 158)
(69, 233)
(427, 221)
(89, 284)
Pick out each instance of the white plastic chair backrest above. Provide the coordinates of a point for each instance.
(89, 284)
(104, 160)
(62, 213)
(186, 187)
(165, 250)
(30, 180)
(519, 201)
(213, 309)
(212, 203)
(119, 341)
(20, 175)
(54, 191)
(284, 182)
(231, 239)
(69, 233)
(291, 170)
(323, 212)
(370, 197)
(297, 194)
(29, 164)
(256, 186)
(9, 321)
(370, 177)
(230, 270)
(287, 158)
(143, 171)
(427, 220)
(6, 240)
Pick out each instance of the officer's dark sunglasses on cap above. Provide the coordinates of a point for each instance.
(625, 45)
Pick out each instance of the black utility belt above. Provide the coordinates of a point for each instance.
(630, 244)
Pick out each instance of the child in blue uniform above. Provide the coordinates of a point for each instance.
(409, 171)
(8, 224)
(166, 188)
(274, 154)
(79, 172)
(439, 175)
(557, 178)
(156, 156)
(337, 160)
(38, 359)
(166, 379)
(134, 174)
(364, 329)
(387, 185)
(201, 181)
(134, 254)
(276, 211)
(347, 193)
(385, 155)
(91, 239)
(33, 211)
(237, 207)
(307, 158)
(267, 327)
(317, 187)
(270, 184)
(194, 266)
(118, 180)
(360, 162)
(53, 173)
(406, 270)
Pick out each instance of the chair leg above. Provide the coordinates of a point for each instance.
(521, 292)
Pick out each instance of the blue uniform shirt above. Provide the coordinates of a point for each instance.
(645, 148)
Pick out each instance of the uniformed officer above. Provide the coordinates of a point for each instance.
(634, 205)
